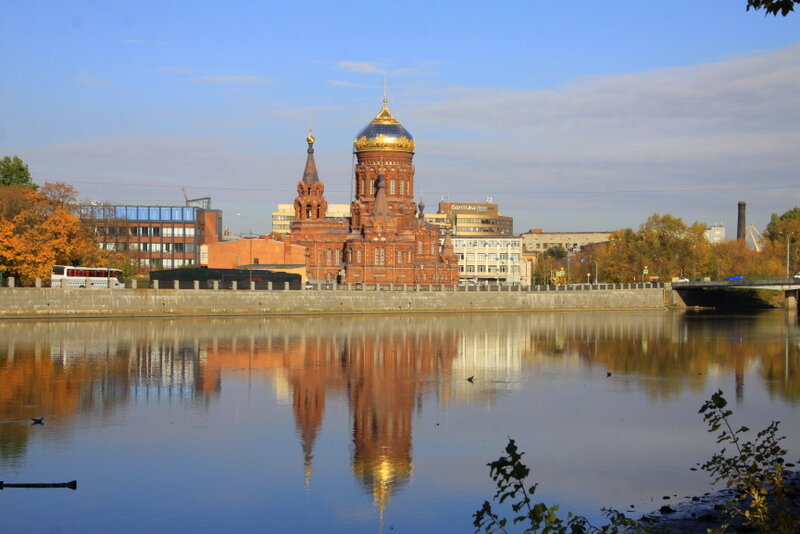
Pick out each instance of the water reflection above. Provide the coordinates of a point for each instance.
(385, 367)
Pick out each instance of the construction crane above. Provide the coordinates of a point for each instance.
(754, 237)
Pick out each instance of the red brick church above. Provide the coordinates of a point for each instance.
(386, 240)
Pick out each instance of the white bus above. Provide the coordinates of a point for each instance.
(96, 277)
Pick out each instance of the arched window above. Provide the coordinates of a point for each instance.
(372, 187)
(328, 257)
(319, 212)
(433, 248)
(399, 257)
(358, 256)
(309, 190)
(419, 247)
(402, 187)
(337, 257)
(391, 187)
(308, 211)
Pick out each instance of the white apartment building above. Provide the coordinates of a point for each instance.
(491, 260)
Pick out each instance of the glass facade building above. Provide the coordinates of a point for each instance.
(156, 237)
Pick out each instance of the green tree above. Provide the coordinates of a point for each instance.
(773, 7)
(556, 252)
(13, 171)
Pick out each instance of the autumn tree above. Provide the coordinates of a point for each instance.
(39, 229)
(664, 245)
(783, 235)
(14, 172)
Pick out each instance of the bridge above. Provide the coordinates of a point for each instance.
(787, 284)
(688, 291)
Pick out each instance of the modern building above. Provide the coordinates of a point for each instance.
(386, 240)
(537, 241)
(156, 237)
(715, 233)
(472, 219)
(283, 217)
(491, 260)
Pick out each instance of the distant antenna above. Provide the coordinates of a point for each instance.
(385, 89)
(185, 194)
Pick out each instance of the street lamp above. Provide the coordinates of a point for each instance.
(788, 240)
(583, 260)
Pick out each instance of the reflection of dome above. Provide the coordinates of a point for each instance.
(384, 133)
(382, 476)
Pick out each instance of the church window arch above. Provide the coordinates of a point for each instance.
(391, 187)
(399, 257)
(308, 211)
(358, 256)
(372, 187)
(309, 191)
(402, 187)
(419, 247)
(328, 257)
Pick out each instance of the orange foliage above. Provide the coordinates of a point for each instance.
(38, 230)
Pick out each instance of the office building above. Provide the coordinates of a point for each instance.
(156, 237)
(472, 219)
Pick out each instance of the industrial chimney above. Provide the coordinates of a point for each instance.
(740, 226)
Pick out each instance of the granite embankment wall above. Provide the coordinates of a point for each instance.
(55, 303)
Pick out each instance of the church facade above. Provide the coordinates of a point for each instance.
(386, 239)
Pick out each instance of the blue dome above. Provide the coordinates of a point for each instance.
(384, 133)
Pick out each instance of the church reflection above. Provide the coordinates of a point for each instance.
(385, 367)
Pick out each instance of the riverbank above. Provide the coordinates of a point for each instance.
(59, 303)
(696, 515)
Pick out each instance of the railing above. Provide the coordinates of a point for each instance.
(216, 285)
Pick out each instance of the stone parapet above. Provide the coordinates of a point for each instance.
(58, 303)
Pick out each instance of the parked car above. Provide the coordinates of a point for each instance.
(682, 280)
(797, 276)
(734, 278)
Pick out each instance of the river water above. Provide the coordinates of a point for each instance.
(368, 424)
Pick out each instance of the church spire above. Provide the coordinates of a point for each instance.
(381, 206)
(310, 175)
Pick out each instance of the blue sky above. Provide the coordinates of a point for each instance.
(573, 116)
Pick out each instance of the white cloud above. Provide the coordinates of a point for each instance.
(690, 139)
(230, 80)
(176, 70)
(143, 42)
(361, 67)
(340, 83)
(92, 82)
(375, 67)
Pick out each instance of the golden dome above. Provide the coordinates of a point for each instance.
(310, 138)
(384, 133)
